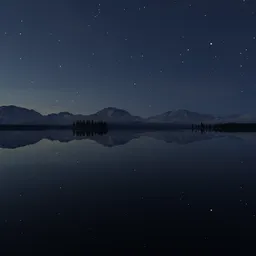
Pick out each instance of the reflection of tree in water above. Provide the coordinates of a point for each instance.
(88, 133)
(16, 139)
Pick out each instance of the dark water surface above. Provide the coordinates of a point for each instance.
(144, 192)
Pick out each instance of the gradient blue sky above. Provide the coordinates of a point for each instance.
(146, 57)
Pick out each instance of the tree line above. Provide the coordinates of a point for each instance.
(90, 125)
(225, 127)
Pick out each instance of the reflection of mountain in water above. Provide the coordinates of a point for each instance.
(16, 139)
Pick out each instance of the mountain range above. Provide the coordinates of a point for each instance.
(18, 115)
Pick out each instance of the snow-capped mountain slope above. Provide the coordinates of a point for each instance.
(182, 116)
(112, 114)
(243, 118)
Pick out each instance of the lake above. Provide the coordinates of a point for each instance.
(132, 192)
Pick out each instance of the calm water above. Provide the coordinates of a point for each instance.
(133, 191)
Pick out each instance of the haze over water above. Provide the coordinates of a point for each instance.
(137, 192)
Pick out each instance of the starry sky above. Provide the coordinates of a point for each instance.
(146, 56)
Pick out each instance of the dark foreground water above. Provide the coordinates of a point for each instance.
(129, 193)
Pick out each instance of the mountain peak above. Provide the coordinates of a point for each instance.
(18, 115)
(13, 107)
(111, 112)
(65, 114)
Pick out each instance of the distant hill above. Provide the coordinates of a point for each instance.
(18, 115)
(182, 116)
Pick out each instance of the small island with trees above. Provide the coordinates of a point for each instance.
(225, 127)
(82, 127)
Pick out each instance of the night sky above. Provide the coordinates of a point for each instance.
(147, 56)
